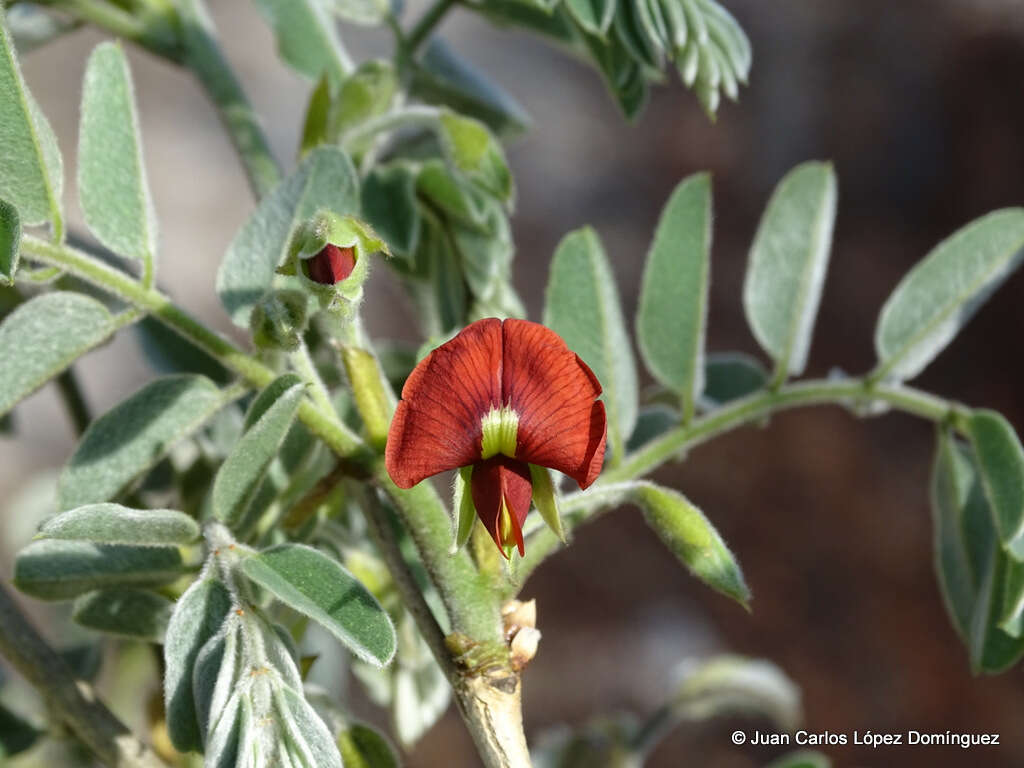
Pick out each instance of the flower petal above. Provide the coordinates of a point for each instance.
(332, 264)
(437, 425)
(553, 391)
(497, 480)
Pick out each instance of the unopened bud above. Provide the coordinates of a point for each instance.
(278, 320)
(516, 615)
(524, 646)
(332, 264)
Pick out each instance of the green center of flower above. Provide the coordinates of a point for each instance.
(500, 427)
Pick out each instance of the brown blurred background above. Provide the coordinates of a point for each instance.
(920, 105)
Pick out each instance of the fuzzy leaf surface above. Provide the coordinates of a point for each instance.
(943, 291)
(133, 613)
(198, 616)
(31, 169)
(133, 436)
(268, 423)
(44, 336)
(114, 524)
(787, 265)
(53, 569)
(112, 184)
(672, 314)
(582, 306)
(316, 586)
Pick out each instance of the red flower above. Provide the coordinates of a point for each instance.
(332, 264)
(499, 397)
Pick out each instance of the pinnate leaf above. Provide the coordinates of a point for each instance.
(54, 569)
(112, 184)
(788, 261)
(114, 524)
(944, 290)
(672, 314)
(198, 615)
(134, 435)
(267, 424)
(31, 169)
(44, 336)
(133, 613)
(316, 586)
(582, 306)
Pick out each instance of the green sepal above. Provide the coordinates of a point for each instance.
(462, 501)
(314, 235)
(546, 501)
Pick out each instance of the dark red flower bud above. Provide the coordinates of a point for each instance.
(332, 264)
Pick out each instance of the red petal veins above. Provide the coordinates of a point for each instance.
(496, 479)
(437, 425)
(553, 391)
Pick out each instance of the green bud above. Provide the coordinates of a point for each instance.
(278, 320)
(328, 253)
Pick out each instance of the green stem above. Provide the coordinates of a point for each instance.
(186, 35)
(326, 425)
(471, 605)
(857, 394)
(303, 365)
(123, 24)
(853, 392)
(426, 25)
(489, 700)
(412, 597)
(465, 592)
(73, 700)
(205, 58)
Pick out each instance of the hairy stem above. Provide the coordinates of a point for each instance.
(857, 394)
(205, 58)
(471, 605)
(186, 35)
(156, 35)
(386, 541)
(489, 701)
(303, 365)
(426, 25)
(73, 700)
